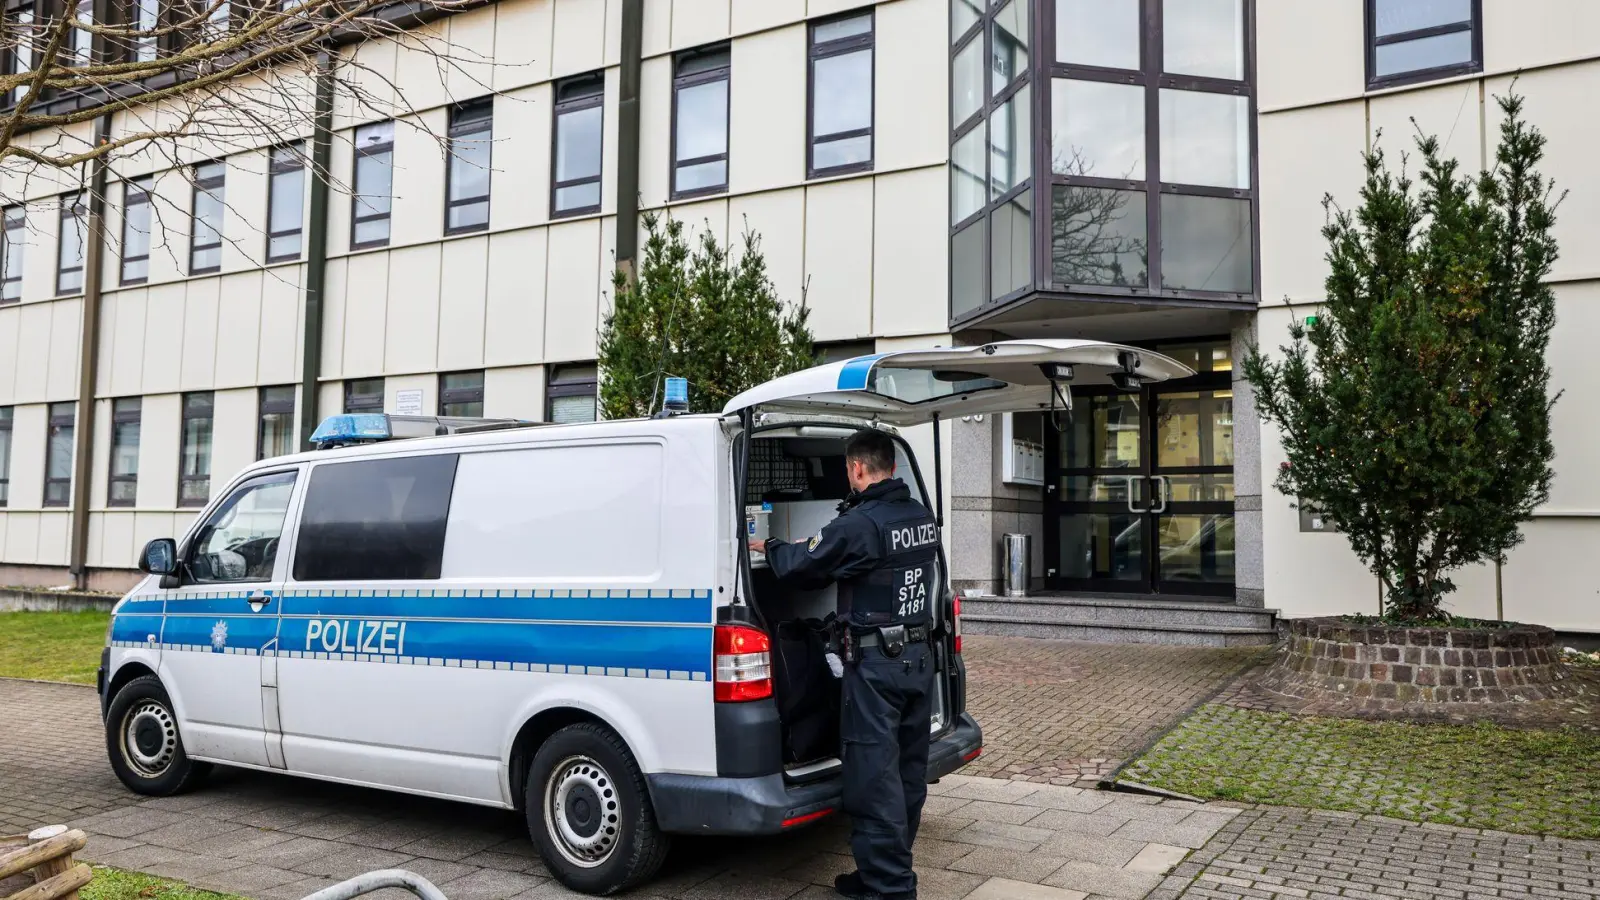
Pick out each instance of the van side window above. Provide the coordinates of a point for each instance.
(375, 520)
(239, 543)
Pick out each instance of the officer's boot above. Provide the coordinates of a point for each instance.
(850, 886)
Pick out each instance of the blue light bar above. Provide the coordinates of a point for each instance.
(348, 428)
(677, 394)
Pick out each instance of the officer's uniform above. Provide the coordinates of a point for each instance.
(881, 551)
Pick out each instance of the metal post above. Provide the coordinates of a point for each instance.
(316, 251)
(88, 361)
(628, 136)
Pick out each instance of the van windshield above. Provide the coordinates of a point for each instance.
(924, 385)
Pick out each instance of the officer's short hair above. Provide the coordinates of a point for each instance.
(871, 448)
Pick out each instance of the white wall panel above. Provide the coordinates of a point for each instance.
(767, 96)
(341, 169)
(65, 340)
(100, 465)
(655, 131)
(1319, 147)
(779, 218)
(244, 230)
(521, 179)
(515, 392)
(573, 291)
(579, 42)
(367, 93)
(911, 73)
(607, 272)
(411, 342)
(522, 42)
(22, 537)
(94, 550)
(163, 338)
(470, 72)
(1541, 582)
(233, 442)
(698, 219)
(418, 179)
(839, 223)
(334, 297)
(1309, 52)
(657, 28)
(463, 302)
(330, 399)
(696, 22)
(281, 309)
(418, 69)
(1523, 35)
(33, 352)
(117, 548)
(39, 255)
(169, 228)
(147, 526)
(608, 141)
(10, 334)
(755, 15)
(126, 308)
(53, 539)
(515, 307)
(910, 253)
(1449, 112)
(160, 427)
(238, 328)
(28, 434)
(366, 303)
(816, 8)
(200, 334)
(1575, 369)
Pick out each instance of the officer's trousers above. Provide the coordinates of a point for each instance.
(884, 723)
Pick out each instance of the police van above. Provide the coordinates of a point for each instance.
(563, 620)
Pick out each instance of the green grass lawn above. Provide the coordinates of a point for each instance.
(53, 646)
(1478, 776)
(116, 884)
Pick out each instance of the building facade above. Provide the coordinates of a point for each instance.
(921, 172)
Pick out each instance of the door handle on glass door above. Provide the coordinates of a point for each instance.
(1133, 480)
(1161, 493)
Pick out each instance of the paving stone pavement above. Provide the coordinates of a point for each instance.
(275, 837)
(1277, 852)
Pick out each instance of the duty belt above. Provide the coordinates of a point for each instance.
(914, 635)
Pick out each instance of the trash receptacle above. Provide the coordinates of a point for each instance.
(1018, 553)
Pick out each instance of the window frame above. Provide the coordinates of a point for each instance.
(146, 188)
(840, 47)
(427, 561)
(587, 384)
(1473, 24)
(8, 431)
(73, 206)
(450, 396)
(724, 74)
(123, 417)
(21, 56)
(12, 217)
(293, 160)
(264, 408)
(361, 153)
(214, 186)
(57, 419)
(349, 393)
(477, 129)
(184, 418)
(577, 104)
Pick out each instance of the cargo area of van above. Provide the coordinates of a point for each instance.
(795, 485)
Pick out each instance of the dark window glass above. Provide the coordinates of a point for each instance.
(966, 269)
(136, 230)
(364, 395)
(1098, 236)
(467, 180)
(841, 95)
(1011, 245)
(124, 484)
(1010, 147)
(580, 116)
(146, 22)
(275, 436)
(461, 394)
(70, 246)
(58, 454)
(700, 122)
(80, 47)
(5, 455)
(239, 542)
(194, 471)
(286, 197)
(570, 396)
(205, 247)
(1415, 40)
(374, 185)
(1205, 244)
(13, 240)
(376, 520)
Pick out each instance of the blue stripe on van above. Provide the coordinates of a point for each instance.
(127, 629)
(575, 606)
(853, 377)
(222, 634)
(134, 606)
(233, 603)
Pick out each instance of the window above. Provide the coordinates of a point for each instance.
(239, 542)
(580, 116)
(1419, 40)
(147, 19)
(374, 184)
(81, 43)
(70, 246)
(570, 396)
(275, 436)
(286, 189)
(466, 205)
(215, 27)
(124, 487)
(840, 122)
(19, 58)
(205, 234)
(58, 454)
(461, 394)
(375, 520)
(5, 455)
(700, 123)
(364, 395)
(136, 230)
(194, 472)
(12, 242)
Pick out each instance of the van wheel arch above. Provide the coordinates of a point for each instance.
(128, 672)
(532, 736)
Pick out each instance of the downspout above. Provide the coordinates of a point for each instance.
(316, 251)
(88, 361)
(628, 137)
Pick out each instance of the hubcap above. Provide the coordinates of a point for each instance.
(581, 811)
(149, 738)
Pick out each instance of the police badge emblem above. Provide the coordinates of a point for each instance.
(815, 540)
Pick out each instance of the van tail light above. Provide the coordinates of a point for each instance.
(743, 662)
(955, 618)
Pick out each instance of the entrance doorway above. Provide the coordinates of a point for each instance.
(1139, 487)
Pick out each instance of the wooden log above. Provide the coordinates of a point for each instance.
(57, 887)
(58, 865)
(63, 844)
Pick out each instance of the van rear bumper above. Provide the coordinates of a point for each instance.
(707, 804)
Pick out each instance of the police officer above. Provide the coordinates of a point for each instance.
(881, 551)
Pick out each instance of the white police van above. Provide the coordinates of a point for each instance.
(562, 620)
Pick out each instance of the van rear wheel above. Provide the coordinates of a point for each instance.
(589, 812)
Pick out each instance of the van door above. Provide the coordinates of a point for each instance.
(221, 623)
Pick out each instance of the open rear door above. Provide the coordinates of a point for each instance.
(910, 387)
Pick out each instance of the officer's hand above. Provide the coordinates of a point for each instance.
(757, 546)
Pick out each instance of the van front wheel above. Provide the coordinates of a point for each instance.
(589, 812)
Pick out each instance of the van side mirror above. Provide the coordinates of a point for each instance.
(159, 557)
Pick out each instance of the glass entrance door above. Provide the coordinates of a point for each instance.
(1139, 491)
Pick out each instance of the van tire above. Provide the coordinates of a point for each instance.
(143, 742)
(590, 767)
